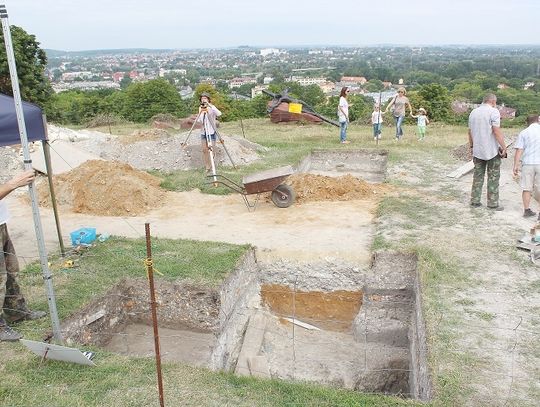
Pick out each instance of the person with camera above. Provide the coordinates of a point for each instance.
(208, 115)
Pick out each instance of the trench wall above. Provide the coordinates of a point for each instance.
(369, 164)
(392, 316)
(239, 297)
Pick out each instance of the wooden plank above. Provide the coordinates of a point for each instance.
(302, 324)
(462, 170)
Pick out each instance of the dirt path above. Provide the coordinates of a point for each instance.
(304, 232)
(487, 312)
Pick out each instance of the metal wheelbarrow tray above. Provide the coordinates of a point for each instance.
(265, 181)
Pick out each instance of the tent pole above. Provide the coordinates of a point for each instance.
(47, 155)
(47, 277)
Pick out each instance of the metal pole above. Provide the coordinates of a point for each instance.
(150, 271)
(241, 122)
(57, 334)
(379, 124)
(190, 130)
(47, 155)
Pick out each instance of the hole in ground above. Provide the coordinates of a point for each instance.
(367, 164)
(369, 334)
(120, 321)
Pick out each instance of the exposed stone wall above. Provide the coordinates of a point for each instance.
(239, 298)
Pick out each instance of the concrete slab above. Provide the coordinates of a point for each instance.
(258, 366)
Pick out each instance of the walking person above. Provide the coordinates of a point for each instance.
(421, 122)
(488, 147)
(208, 115)
(528, 158)
(398, 104)
(377, 121)
(343, 114)
(14, 308)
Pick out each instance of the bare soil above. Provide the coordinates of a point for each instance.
(312, 187)
(333, 310)
(105, 188)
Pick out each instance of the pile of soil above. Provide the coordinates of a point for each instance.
(105, 188)
(311, 187)
(462, 153)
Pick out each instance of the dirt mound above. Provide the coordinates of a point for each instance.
(462, 152)
(144, 135)
(157, 149)
(105, 188)
(311, 187)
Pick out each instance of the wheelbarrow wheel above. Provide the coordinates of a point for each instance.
(283, 196)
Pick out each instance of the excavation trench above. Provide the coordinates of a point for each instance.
(328, 322)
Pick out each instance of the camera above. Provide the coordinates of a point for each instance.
(204, 105)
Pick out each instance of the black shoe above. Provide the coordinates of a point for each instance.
(496, 208)
(527, 213)
(476, 205)
(8, 335)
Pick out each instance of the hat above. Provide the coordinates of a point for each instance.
(422, 110)
(206, 95)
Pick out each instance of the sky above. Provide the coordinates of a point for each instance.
(73, 25)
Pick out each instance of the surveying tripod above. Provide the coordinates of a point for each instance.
(209, 128)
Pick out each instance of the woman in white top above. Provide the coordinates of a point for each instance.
(343, 114)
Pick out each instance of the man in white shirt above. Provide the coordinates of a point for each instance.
(528, 153)
(13, 303)
(487, 143)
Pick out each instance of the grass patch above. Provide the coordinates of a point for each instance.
(119, 381)
(104, 264)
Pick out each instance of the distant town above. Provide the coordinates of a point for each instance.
(246, 71)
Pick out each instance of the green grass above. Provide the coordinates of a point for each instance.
(118, 381)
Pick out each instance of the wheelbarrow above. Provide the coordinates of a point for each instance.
(265, 181)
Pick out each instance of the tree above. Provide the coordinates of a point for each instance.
(469, 92)
(144, 100)
(31, 62)
(125, 81)
(374, 85)
(435, 99)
